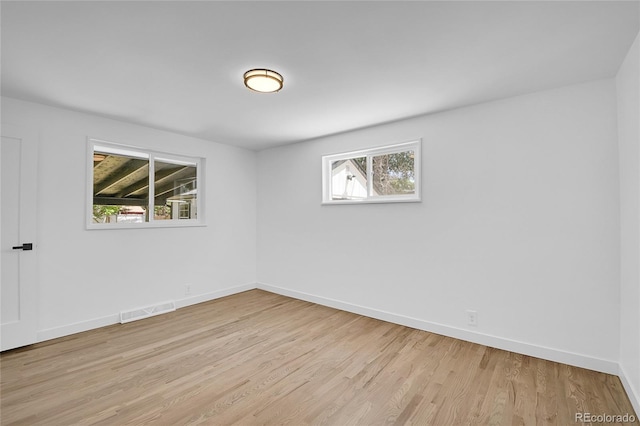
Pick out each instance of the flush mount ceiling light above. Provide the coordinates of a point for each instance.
(263, 80)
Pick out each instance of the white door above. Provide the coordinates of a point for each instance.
(18, 216)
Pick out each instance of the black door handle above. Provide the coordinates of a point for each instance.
(25, 246)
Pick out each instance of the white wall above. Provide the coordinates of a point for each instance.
(628, 89)
(519, 221)
(87, 277)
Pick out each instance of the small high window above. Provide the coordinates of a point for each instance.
(123, 192)
(387, 174)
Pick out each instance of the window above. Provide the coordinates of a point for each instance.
(386, 174)
(133, 187)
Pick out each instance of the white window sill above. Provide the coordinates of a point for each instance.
(146, 225)
(373, 201)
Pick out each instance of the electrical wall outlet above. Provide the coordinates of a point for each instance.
(187, 289)
(472, 318)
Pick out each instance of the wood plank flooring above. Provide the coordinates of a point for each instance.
(260, 358)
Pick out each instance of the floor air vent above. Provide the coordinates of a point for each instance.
(149, 311)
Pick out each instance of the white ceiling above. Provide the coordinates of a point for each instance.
(178, 65)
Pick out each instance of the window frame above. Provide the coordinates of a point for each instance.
(369, 153)
(152, 156)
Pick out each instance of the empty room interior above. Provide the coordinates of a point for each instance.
(320, 212)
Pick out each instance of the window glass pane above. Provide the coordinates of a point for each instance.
(120, 187)
(384, 174)
(394, 174)
(349, 179)
(175, 189)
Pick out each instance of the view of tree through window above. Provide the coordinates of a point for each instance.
(384, 174)
(394, 173)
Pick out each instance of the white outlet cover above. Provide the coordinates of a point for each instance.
(472, 318)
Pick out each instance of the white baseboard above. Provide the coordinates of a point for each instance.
(78, 327)
(578, 360)
(188, 301)
(632, 393)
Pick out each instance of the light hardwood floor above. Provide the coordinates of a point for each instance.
(261, 358)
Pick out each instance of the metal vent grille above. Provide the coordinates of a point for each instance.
(149, 311)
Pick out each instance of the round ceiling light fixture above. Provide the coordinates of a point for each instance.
(263, 80)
